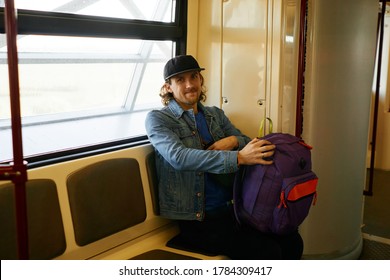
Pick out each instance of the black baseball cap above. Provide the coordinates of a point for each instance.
(180, 64)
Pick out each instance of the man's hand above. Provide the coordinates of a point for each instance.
(225, 144)
(256, 152)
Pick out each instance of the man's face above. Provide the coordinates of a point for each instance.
(186, 89)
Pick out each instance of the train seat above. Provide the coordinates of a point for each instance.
(46, 236)
(107, 197)
(153, 182)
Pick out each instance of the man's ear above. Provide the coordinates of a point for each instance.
(168, 87)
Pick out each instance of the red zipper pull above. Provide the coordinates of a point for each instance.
(282, 200)
(315, 198)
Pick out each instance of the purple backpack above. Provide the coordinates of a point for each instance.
(277, 198)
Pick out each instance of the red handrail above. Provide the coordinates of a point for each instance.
(17, 171)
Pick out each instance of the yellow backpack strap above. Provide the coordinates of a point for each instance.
(262, 129)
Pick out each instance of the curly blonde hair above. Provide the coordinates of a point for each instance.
(167, 96)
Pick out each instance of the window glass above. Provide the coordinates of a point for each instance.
(154, 10)
(70, 74)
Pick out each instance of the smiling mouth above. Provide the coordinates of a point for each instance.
(192, 93)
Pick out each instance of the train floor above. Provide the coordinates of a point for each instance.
(376, 219)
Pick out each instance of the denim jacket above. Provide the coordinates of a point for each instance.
(181, 161)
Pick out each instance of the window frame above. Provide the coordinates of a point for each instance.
(32, 22)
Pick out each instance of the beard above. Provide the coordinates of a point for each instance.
(188, 99)
(191, 97)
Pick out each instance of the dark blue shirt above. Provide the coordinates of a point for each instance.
(216, 195)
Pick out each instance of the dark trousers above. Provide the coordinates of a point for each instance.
(219, 233)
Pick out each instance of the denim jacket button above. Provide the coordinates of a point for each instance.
(198, 194)
(198, 215)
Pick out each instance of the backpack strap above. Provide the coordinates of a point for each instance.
(262, 130)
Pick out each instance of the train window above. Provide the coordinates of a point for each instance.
(94, 87)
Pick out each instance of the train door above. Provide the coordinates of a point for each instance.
(261, 38)
(251, 51)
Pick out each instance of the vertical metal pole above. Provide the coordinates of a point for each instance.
(19, 172)
(301, 69)
(376, 101)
